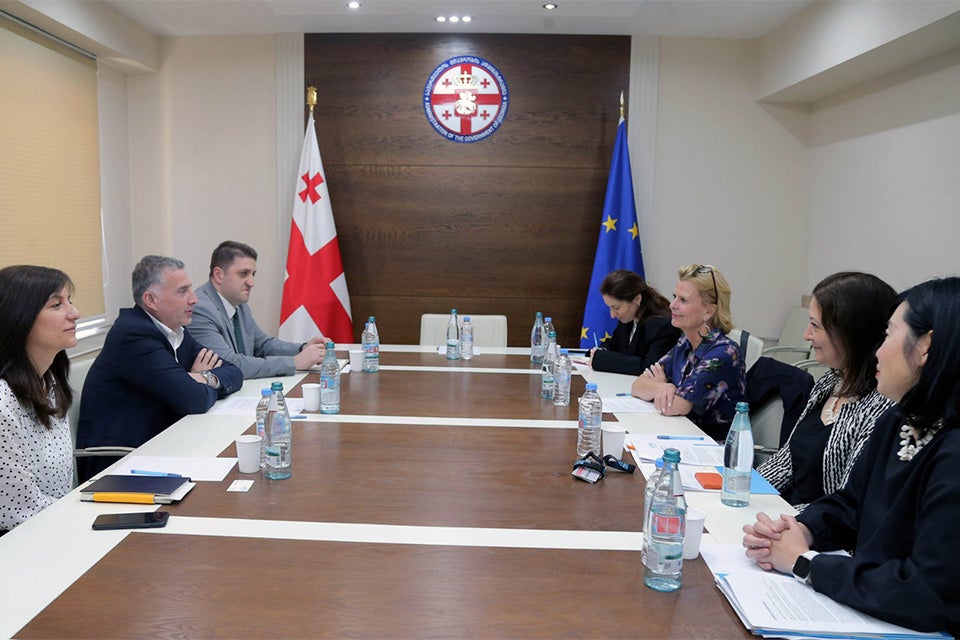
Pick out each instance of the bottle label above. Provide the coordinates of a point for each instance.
(664, 525)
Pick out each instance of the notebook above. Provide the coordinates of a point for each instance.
(137, 489)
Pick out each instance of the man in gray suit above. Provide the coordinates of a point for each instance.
(222, 320)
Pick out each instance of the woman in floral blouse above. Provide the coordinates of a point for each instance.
(703, 377)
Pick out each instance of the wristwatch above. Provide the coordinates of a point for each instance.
(801, 568)
(211, 379)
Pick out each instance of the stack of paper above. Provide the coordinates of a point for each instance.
(698, 454)
(775, 605)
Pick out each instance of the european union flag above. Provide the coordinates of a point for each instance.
(619, 244)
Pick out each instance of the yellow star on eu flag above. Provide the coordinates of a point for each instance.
(583, 333)
(610, 223)
(634, 231)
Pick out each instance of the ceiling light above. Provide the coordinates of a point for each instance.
(550, 6)
(441, 19)
(466, 19)
(354, 4)
(454, 19)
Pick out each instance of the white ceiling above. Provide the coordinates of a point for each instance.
(690, 18)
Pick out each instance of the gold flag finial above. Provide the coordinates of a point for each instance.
(621, 104)
(312, 98)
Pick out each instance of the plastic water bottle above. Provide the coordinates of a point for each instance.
(548, 326)
(330, 381)
(466, 339)
(663, 566)
(588, 424)
(738, 460)
(453, 337)
(547, 369)
(561, 379)
(538, 340)
(262, 421)
(647, 499)
(371, 346)
(279, 462)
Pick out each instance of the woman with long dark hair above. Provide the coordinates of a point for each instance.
(643, 334)
(38, 323)
(848, 315)
(900, 510)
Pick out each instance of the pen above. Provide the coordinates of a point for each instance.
(679, 437)
(298, 417)
(160, 474)
(625, 393)
(595, 343)
(138, 498)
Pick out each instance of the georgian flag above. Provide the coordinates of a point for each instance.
(315, 298)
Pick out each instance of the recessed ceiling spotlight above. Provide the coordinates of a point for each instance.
(354, 4)
(550, 6)
(441, 18)
(454, 19)
(466, 19)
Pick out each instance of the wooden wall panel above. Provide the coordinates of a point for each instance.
(505, 225)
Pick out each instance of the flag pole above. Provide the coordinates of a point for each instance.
(621, 104)
(312, 99)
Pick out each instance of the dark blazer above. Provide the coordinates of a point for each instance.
(136, 388)
(653, 339)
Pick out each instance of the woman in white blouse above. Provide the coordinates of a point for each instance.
(37, 323)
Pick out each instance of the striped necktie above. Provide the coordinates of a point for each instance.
(237, 333)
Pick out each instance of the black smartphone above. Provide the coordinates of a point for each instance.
(147, 520)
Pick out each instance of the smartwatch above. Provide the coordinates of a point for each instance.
(801, 568)
(210, 379)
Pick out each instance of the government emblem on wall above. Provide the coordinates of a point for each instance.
(465, 99)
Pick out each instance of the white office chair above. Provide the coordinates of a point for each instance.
(754, 346)
(791, 347)
(78, 373)
(488, 330)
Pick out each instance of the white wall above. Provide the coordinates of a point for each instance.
(885, 178)
(203, 157)
(731, 183)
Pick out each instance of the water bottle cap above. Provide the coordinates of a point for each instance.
(539, 315)
(331, 345)
(659, 463)
(466, 318)
(548, 319)
(564, 351)
(371, 319)
(265, 391)
(591, 386)
(453, 312)
(276, 386)
(743, 407)
(671, 455)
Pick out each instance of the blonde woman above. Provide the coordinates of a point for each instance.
(703, 376)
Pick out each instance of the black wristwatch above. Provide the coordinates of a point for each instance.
(801, 568)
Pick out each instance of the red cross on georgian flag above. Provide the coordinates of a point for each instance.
(315, 298)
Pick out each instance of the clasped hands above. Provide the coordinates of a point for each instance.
(311, 354)
(664, 393)
(776, 544)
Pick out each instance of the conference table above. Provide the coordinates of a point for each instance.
(438, 503)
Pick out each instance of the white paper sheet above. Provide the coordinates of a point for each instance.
(197, 469)
(237, 406)
(626, 404)
(694, 450)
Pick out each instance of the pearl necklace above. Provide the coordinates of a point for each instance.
(908, 433)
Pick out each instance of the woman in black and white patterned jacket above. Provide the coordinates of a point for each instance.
(848, 316)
